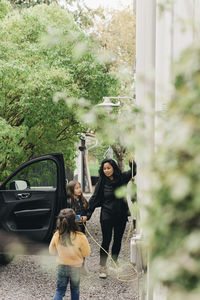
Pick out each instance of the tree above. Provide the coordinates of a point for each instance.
(44, 59)
(82, 14)
(29, 3)
(116, 33)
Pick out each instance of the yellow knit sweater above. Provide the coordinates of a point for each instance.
(71, 255)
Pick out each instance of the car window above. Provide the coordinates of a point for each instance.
(41, 175)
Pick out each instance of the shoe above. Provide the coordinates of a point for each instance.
(103, 272)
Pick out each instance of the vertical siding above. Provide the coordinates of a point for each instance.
(159, 42)
(145, 83)
(183, 29)
(196, 18)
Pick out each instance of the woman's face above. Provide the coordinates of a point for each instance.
(77, 190)
(108, 169)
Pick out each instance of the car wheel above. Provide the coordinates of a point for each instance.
(5, 259)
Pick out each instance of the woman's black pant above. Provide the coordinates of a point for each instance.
(107, 227)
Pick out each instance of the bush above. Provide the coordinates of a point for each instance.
(174, 215)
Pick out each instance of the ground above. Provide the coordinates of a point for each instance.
(34, 277)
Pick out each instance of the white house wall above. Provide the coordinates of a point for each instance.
(159, 42)
(160, 39)
(196, 19)
(183, 29)
(163, 55)
(145, 85)
(163, 62)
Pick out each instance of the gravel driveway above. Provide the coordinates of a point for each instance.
(34, 277)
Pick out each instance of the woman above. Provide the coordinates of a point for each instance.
(114, 211)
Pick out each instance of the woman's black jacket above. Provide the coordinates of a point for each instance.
(97, 199)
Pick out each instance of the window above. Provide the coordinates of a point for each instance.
(36, 176)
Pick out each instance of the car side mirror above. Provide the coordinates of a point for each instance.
(19, 185)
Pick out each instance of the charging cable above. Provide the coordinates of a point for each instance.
(119, 277)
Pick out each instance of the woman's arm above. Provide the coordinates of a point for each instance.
(95, 200)
(126, 176)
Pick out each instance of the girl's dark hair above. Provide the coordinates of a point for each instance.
(117, 172)
(70, 194)
(66, 223)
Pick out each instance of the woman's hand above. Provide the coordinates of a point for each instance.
(83, 219)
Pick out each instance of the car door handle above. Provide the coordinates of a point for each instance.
(23, 195)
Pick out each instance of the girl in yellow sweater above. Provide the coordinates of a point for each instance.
(71, 246)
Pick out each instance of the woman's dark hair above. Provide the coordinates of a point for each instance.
(117, 172)
(66, 223)
(70, 194)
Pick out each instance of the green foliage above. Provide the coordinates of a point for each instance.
(114, 127)
(29, 3)
(98, 152)
(44, 57)
(94, 167)
(174, 222)
(116, 33)
(42, 173)
(83, 15)
(4, 8)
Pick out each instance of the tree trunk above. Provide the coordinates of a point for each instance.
(87, 171)
(121, 162)
(119, 153)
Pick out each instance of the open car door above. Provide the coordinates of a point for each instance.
(31, 198)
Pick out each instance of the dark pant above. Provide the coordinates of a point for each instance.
(107, 227)
(67, 274)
